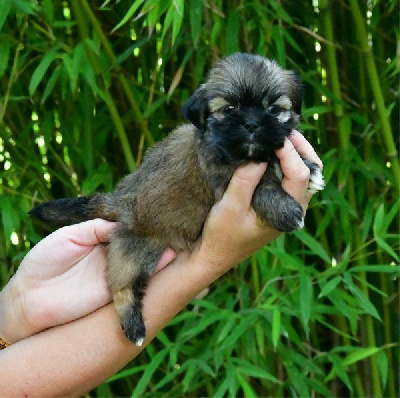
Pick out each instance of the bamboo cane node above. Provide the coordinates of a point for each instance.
(367, 51)
(324, 10)
(391, 155)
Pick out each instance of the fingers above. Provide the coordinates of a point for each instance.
(304, 148)
(168, 256)
(89, 233)
(243, 183)
(296, 173)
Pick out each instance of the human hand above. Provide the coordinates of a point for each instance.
(232, 232)
(61, 279)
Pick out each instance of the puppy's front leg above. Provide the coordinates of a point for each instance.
(276, 207)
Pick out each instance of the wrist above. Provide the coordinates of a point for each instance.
(13, 326)
(208, 266)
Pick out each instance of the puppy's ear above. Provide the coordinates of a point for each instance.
(196, 109)
(297, 92)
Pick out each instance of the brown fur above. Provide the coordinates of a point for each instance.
(165, 202)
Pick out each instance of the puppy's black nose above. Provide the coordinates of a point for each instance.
(251, 125)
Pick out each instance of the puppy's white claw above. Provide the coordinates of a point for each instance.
(139, 342)
(300, 225)
(316, 183)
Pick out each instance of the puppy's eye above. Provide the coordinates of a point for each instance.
(228, 109)
(274, 109)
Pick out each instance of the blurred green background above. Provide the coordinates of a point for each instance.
(87, 86)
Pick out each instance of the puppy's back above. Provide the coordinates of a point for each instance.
(168, 196)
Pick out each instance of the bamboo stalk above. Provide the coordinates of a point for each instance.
(345, 144)
(388, 327)
(385, 131)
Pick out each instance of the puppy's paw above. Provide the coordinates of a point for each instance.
(316, 182)
(133, 326)
(277, 208)
(289, 218)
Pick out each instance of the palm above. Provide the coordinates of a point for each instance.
(62, 278)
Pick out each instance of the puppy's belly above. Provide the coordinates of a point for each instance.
(178, 228)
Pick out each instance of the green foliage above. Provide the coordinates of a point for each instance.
(86, 88)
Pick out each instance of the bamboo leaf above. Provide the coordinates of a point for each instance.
(168, 20)
(206, 369)
(359, 354)
(4, 52)
(222, 388)
(25, 6)
(292, 42)
(78, 64)
(182, 317)
(237, 332)
(336, 330)
(170, 376)
(367, 219)
(51, 83)
(376, 268)
(206, 304)
(392, 213)
(247, 390)
(5, 7)
(153, 107)
(177, 18)
(340, 370)
(148, 373)
(9, 217)
(216, 30)
(306, 299)
(331, 285)
(48, 11)
(276, 327)
(313, 244)
(196, 18)
(232, 32)
(383, 244)
(190, 372)
(125, 373)
(383, 367)
(378, 220)
(203, 323)
(41, 69)
(246, 368)
(229, 325)
(363, 301)
(152, 9)
(129, 51)
(128, 15)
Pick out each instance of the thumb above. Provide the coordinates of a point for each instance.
(65, 247)
(243, 183)
(88, 233)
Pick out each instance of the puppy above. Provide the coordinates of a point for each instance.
(243, 113)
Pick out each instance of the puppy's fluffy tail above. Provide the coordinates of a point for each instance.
(67, 211)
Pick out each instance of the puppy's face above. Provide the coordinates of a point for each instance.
(247, 107)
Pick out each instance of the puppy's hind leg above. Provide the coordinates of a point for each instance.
(133, 259)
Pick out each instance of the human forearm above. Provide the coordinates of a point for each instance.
(73, 358)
